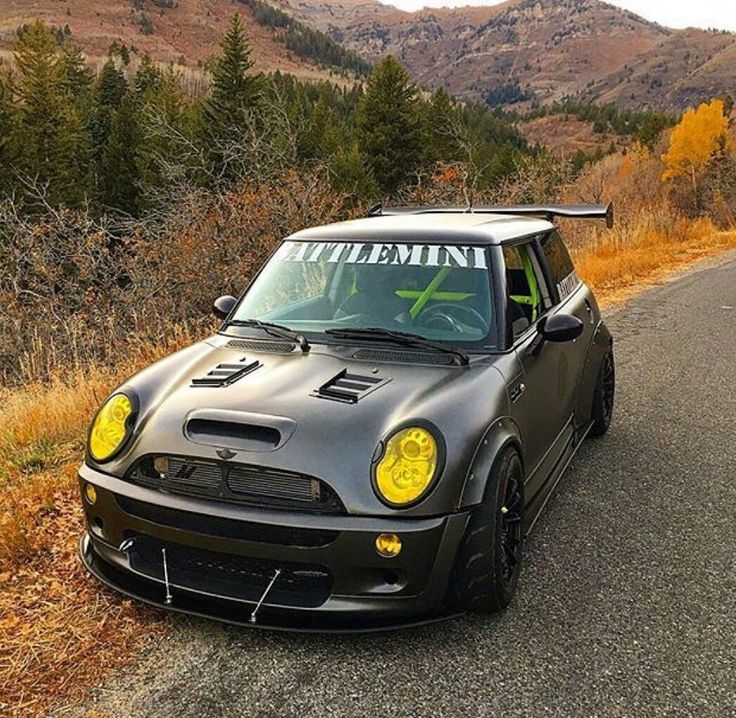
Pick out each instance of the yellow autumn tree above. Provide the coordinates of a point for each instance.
(701, 133)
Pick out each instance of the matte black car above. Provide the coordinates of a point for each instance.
(370, 435)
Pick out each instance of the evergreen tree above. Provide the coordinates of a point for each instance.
(350, 174)
(388, 125)
(76, 76)
(118, 180)
(148, 78)
(7, 122)
(440, 117)
(111, 85)
(235, 90)
(53, 148)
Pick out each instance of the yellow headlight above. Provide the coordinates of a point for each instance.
(408, 465)
(109, 430)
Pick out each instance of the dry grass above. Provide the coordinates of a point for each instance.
(623, 263)
(60, 632)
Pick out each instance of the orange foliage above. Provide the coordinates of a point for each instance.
(700, 134)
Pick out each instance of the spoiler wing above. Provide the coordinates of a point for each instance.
(548, 211)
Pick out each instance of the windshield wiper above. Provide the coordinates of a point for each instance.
(406, 338)
(275, 330)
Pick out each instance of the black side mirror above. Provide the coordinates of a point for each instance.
(223, 306)
(561, 328)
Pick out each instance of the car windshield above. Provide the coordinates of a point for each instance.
(440, 292)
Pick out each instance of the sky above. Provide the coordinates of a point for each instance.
(719, 14)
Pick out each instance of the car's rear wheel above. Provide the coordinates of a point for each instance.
(489, 561)
(603, 397)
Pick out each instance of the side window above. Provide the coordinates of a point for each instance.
(560, 264)
(527, 295)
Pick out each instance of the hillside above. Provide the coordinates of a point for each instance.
(550, 48)
(182, 31)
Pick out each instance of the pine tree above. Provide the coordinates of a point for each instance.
(351, 174)
(235, 90)
(53, 148)
(76, 76)
(388, 125)
(7, 122)
(148, 78)
(118, 167)
(440, 120)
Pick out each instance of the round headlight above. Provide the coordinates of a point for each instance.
(408, 465)
(110, 427)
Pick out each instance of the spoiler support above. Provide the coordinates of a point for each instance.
(549, 212)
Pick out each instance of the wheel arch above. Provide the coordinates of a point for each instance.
(503, 433)
(601, 343)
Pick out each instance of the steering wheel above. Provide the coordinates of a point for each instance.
(443, 312)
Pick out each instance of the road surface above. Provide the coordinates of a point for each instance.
(627, 601)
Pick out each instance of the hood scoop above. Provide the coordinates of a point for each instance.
(349, 388)
(226, 374)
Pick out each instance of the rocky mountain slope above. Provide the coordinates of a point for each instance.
(550, 48)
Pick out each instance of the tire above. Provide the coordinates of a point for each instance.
(604, 395)
(489, 560)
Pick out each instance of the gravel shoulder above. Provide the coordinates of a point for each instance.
(626, 603)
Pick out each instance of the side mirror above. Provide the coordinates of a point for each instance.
(223, 306)
(561, 328)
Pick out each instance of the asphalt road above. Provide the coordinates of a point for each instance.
(627, 601)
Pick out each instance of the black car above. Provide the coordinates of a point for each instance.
(370, 435)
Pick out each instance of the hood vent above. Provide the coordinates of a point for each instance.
(226, 374)
(261, 345)
(349, 388)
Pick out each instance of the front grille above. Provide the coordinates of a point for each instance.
(199, 476)
(262, 482)
(238, 483)
(238, 577)
(226, 528)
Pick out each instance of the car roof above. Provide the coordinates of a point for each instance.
(449, 228)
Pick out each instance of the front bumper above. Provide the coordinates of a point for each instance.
(221, 557)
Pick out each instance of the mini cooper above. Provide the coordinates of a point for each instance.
(370, 436)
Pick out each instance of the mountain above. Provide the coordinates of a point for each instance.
(185, 32)
(507, 54)
(542, 49)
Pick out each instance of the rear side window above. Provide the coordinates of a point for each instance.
(560, 264)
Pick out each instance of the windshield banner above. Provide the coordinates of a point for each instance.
(389, 253)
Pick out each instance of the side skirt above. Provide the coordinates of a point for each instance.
(535, 508)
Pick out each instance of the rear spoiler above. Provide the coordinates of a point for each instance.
(548, 211)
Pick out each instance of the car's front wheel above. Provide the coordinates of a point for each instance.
(489, 561)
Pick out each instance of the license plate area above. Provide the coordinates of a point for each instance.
(230, 576)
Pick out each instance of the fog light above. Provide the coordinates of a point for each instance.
(388, 545)
(90, 493)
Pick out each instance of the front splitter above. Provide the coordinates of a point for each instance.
(231, 612)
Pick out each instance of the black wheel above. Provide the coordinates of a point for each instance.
(603, 398)
(489, 561)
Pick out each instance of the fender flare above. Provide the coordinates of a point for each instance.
(502, 433)
(600, 344)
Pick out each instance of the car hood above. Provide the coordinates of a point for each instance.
(323, 413)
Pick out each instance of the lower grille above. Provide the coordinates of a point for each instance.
(226, 528)
(237, 577)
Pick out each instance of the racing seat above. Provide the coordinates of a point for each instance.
(373, 295)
